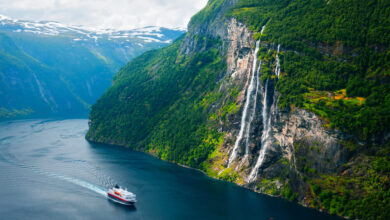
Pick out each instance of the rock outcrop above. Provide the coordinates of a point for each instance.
(297, 138)
(211, 101)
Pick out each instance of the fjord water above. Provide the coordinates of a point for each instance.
(49, 171)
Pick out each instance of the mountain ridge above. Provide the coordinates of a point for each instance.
(255, 93)
(68, 67)
(53, 28)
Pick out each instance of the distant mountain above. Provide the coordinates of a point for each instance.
(47, 68)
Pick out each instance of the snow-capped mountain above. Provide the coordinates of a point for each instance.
(50, 68)
(51, 28)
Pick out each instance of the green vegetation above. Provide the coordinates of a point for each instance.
(362, 191)
(268, 186)
(289, 194)
(5, 113)
(206, 14)
(59, 76)
(36, 80)
(159, 103)
(229, 175)
(329, 46)
(276, 188)
(334, 61)
(358, 189)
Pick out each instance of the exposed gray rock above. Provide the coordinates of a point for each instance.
(298, 138)
(301, 127)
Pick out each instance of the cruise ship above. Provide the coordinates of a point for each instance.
(121, 195)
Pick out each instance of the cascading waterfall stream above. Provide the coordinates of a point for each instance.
(266, 136)
(245, 125)
(254, 106)
(248, 128)
(253, 112)
(244, 121)
(265, 142)
(262, 30)
(42, 91)
(277, 68)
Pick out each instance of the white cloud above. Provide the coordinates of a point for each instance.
(119, 14)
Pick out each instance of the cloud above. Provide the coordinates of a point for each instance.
(119, 14)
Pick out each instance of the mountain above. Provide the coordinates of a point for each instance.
(287, 98)
(48, 68)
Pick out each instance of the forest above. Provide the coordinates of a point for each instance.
(330, 46)
(160, 107)
(335, 62)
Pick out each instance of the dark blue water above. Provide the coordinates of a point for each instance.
(48, 171)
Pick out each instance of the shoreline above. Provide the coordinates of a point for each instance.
(213, 178)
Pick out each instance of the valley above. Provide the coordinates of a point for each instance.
(48, 68)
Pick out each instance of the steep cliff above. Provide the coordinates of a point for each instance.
(275, 111)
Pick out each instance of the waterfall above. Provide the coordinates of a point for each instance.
(262, 30)
(244, 121)
(49, 100)
(255, 105)
(253, 112)
(265, 138)
(277, 68)
(41, 91)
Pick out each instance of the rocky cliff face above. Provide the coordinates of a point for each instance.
(223, 99)
(211, 101)
(296, 139)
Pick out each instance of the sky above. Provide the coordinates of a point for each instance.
(116, 14)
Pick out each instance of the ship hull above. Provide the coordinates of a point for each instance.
(120, 200)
